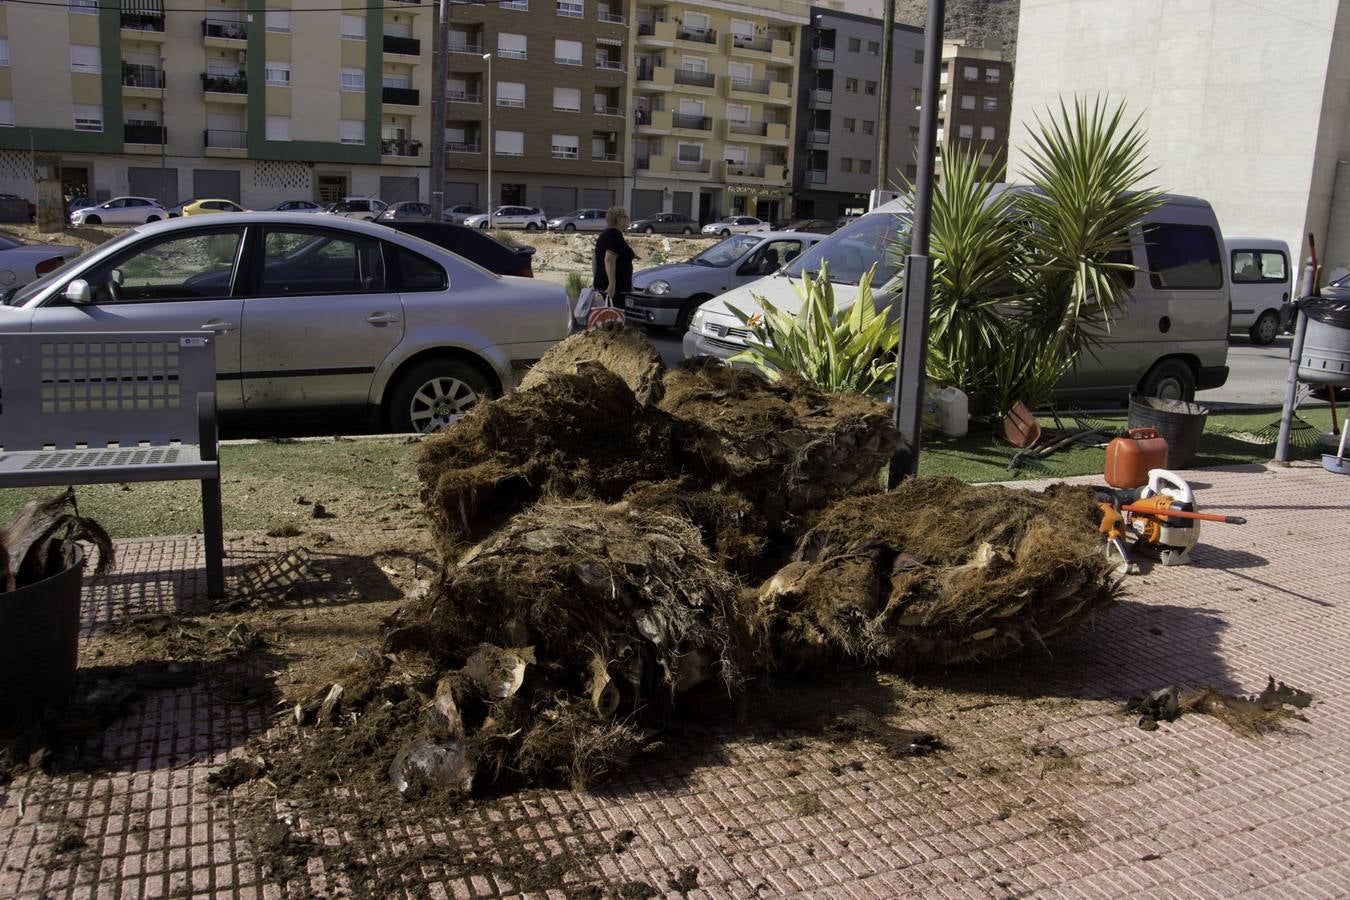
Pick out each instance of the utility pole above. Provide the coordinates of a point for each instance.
(914, 303)
(489, 101)
(884, 119)
(163, 129)
(440, 23)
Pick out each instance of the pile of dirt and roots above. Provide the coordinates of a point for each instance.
(616, 538)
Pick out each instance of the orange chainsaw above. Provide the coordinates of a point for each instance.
(1158, 519)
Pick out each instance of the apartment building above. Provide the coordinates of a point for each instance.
(839, 111)
(975, 106)
(246, 100)
(715, 88)
(541, 88)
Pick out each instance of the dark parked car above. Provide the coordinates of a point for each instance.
(472, 244)
(665, 223)
(814, 226)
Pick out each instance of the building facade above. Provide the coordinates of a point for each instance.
(714, 88)
(976, 104)
(1249, 111)
(839, 111)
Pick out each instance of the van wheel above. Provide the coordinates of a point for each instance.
(1266, 328)
(1170, 379)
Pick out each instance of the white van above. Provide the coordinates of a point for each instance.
(1261, 277)
(1171, 341)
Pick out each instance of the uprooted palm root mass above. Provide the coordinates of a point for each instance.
(599, 545)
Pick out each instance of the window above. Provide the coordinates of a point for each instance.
(1259, 267)
(850, 125)
(990, 104)
(401, 80)
(918, 56)
(738, 112)
(567, 99)
(297, 262)
(971, 73)
(88, 117)
(965, 131)
(197, 267)
(279, 20)
(736, 155)
(510, 93)
(6, 113)
(351, 131)
(873, 48)
(967, 101)
(916, 95)
(88, 7)
(354, 80)
(85, 59)
(846, 164)
(870, 88)
(697, 21)
(851, 85)
(740, 73)
(278, 128)
(986, 132)
(572, 9)
(743, 29)
(511, 46)
(697, 64)
(992, 76)
(417, 273)
(1183, 257)
(854, 45)
(278, 74)
(509, 143)
(354, 28)
(4, 51)
(567, 53)
(566, 146)
(865, 166)
(689, 153)
(869, 126)
(942, 77)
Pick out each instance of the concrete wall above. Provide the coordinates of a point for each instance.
(1234, 98)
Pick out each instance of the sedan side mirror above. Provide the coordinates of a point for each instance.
(79, 292)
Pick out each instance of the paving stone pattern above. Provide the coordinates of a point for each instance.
(1190, 810)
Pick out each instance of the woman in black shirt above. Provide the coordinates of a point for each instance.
(612, 273)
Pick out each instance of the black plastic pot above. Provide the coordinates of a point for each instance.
(1178, 422)
(39, 644)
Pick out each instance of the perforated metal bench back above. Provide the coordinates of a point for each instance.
(69, 390)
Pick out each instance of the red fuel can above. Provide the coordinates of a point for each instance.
(1129, 458)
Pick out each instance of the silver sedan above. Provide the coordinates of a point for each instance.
(22, 263)
(311, 314)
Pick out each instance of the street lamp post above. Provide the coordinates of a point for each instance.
(163, 128)
(441, 18)
(490, 100)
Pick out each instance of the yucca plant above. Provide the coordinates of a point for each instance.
(574, 285)
(849, 350)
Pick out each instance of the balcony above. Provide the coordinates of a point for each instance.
(511, 102)
(609, 111)
(610, 65)
(658, 121)
(756, 132)
(818, 137)
(224, 143)
(564, 60)
(820, 97)
(470, 49)
(760, 47)
(507, 53)
(764, 90)
(822, 56)
(402, 46)
(399, 96)
(656, 34)
(612, 19)
(224, 33)
(696, 35)
(815, 176)
(691, 122)
(687, 167)
(463, 147)
(655, 78)
(401, 148)
(464, 96)
(570, 9)
(695, 78)
(232, 88)
(146, 27)
(748, 129)
(142, 81)
(145, 134)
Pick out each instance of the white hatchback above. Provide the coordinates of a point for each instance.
(121, 211)
(735, 225)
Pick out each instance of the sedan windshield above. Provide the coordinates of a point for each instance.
(724, 253)
(855, 248)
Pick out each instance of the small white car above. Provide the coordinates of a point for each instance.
(579, 220)
(121, 211)
(1260, 281)
(364, 208)
(735, 225)
(526, 217)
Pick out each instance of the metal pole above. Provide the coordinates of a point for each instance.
(489, 100)
(440, 19)
(884, 119)
(1306, 289)
(909, 370)
(163, 129)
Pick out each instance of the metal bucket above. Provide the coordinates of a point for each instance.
(1326, 354)
(39, 644)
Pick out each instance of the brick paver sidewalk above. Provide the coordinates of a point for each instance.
(1047, 788)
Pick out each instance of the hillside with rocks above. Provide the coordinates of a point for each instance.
(988, 23)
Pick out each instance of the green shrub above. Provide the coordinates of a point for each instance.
(574, 285)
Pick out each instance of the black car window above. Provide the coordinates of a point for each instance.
(417, 273)
(299, 262)
(1183, 257)
(196, 266)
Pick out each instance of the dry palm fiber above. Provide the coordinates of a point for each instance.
(603, 614)
(786, 446)
(733, 530)
(579, 434)
(622, 350)
(939, 572)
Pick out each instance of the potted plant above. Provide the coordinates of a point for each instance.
(41, 564)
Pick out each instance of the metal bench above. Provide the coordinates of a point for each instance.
(113, 408)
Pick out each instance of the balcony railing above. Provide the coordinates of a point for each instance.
(751, 85)
(464, 96)
(745, 170)
(396, 147)
(680, 165)
(517, 5)
(224, 84)
(695, 78)
(463, 147)
(750, 42)
(225, 28)
(567, 61)
(645, 72)
(642, 162)
(401, 96)
(614, 65)
(698, 35)
(570, 9)
(224, 140)
(143, 21)
(513, 102)
(818, 136)
(822, 55)
(605, 157)
(760, 129)
(405, 45)
(612, 18)
(142, 76)
(821, 96)
(646, 29)
(144, 134)
(695, 123)
(608, 111)
(816, 176)
(475, 48)
(566, 153)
